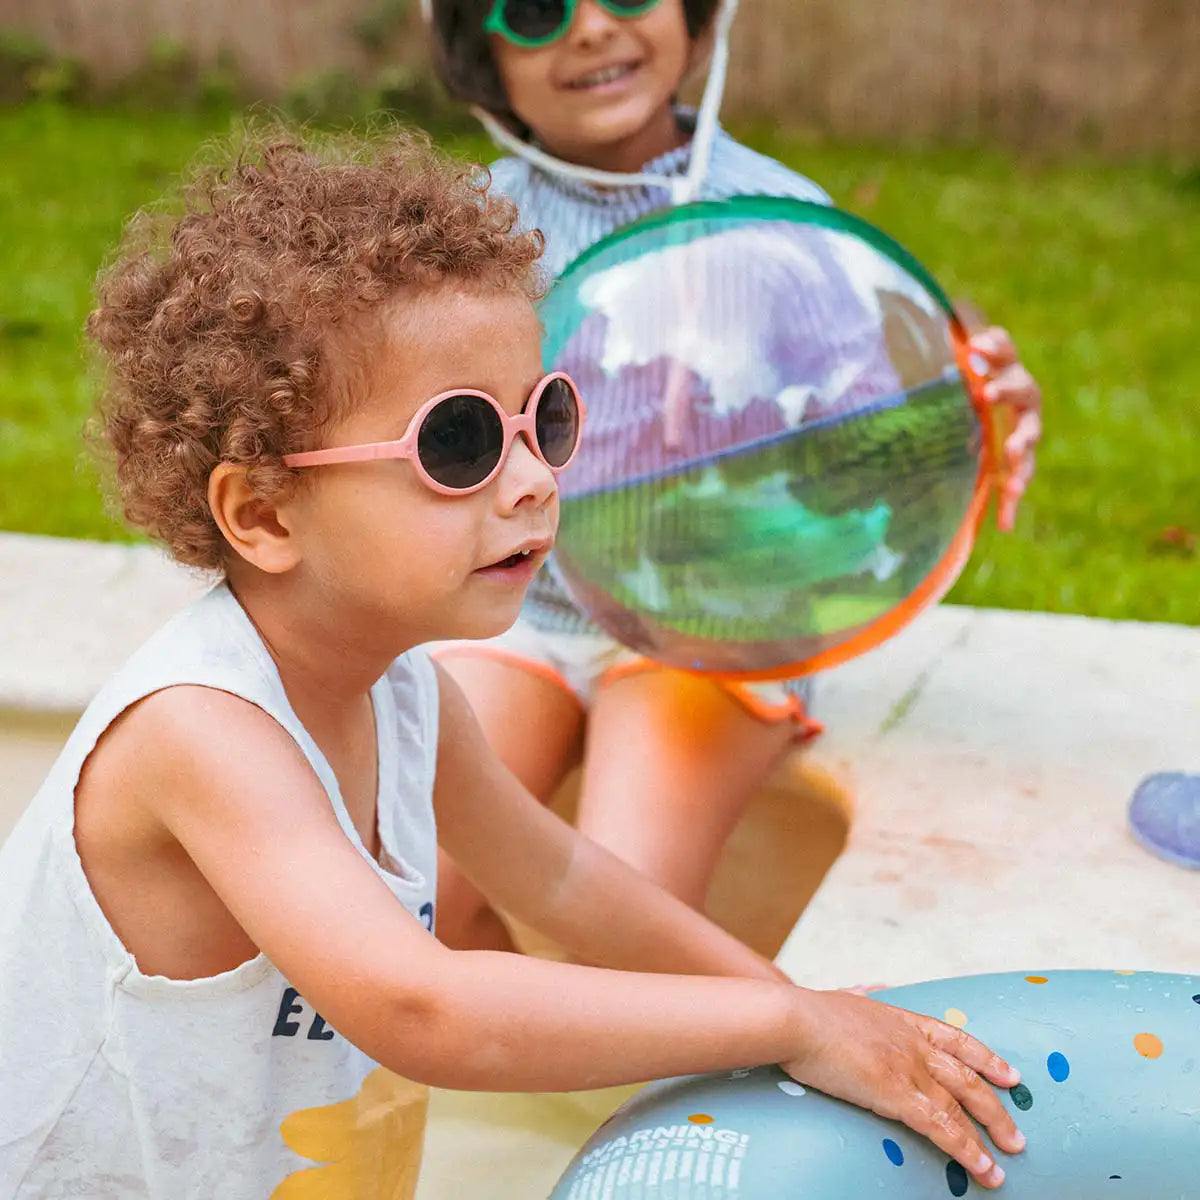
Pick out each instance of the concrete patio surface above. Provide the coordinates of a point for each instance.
(984, 761)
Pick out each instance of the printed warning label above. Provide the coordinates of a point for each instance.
(661, 1158)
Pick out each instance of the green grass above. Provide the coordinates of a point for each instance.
(70, 180)
(1095, 269)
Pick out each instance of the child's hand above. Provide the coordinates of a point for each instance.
(1009, 384)
(913, 1069)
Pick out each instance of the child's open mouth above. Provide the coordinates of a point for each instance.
(519, 567)
(603, 77)
(513, 560)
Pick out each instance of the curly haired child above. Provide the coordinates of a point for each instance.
(325, 385)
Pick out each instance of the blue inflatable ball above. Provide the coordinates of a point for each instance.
(1109, 1102)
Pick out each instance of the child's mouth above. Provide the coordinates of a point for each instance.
(513, 560)
(518, 567)
(603, 77)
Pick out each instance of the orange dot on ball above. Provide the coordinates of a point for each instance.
(1036, 979)
(700, 1119)
(1148, 1045)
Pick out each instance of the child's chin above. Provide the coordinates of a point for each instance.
(489, 626)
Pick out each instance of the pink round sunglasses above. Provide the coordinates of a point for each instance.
(459, 440)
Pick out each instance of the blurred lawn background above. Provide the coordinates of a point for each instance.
(1094, 268)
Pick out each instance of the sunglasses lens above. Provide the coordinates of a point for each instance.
(535, 20)
(557, 422)
(460, 442)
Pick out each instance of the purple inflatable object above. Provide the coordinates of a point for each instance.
(1164, 816)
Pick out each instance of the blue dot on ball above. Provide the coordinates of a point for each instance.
(1058, 1067)
(1022, 1097)
(894, 1153)
(1196, 999)
(956, 1177)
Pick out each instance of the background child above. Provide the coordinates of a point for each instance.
(583, 92)
(325, 385)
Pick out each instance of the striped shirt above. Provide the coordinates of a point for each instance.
(574, 215)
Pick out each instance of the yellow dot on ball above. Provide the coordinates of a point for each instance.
(1124, 972)
(1148, 1045)
(700, 1119)
(955, 1017)
(1036, 979)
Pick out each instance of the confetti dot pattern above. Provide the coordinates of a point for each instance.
(1058, 1067)
(1093, 1047)
(957, 1179)
(1148, 1045)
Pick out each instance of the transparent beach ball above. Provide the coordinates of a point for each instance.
(784, 460)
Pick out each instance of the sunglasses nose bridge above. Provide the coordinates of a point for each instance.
(524, 426)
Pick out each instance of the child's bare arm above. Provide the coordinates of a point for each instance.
(541, 871)
(251, 815)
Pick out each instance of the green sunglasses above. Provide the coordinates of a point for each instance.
(540, 22)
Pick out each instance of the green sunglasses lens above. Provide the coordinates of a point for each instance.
(536, 22)
(533, 20)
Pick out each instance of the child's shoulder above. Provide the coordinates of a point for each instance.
(737, 170)
(205, 669)
(510, 177)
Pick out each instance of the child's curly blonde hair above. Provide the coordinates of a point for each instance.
(218, 326)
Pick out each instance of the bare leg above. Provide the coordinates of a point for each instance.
(671, 762)
(536, 727)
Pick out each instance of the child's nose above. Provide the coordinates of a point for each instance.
(592, 23)
(525, 478)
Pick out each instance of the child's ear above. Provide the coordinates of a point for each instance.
(257, 529)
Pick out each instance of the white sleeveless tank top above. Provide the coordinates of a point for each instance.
(116, 1084)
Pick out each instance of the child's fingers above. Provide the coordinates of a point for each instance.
(1019, 455)
(1025, 436)
(1010, 499)
(1018, 478)
(938, 1116)
(1015, 483)
(996, 345)
(1014, 387)
(864, 989)
(1019, 459)
(977, 1097)
(971, 1051)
